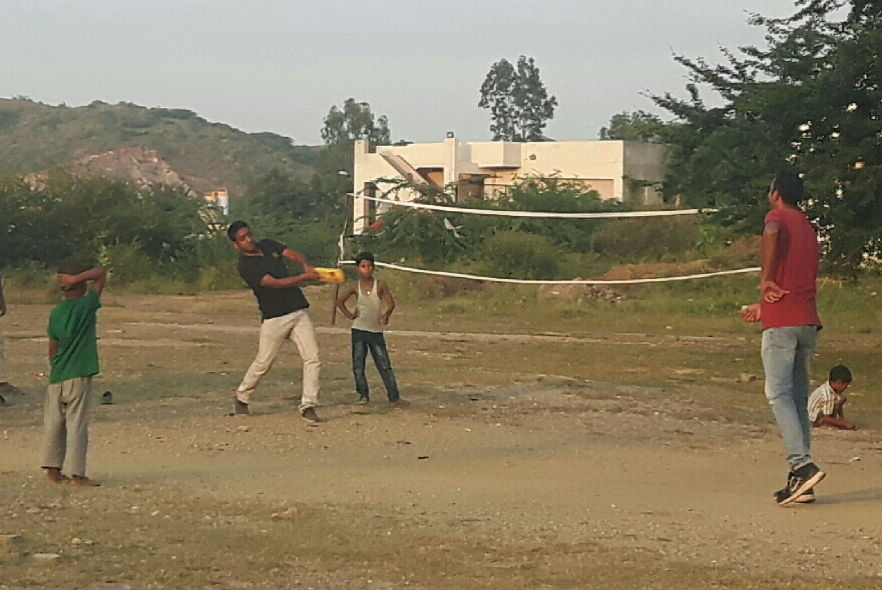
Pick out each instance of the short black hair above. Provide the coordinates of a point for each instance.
(72, 268)
(234, 227)
(365, 255)
(840, 373)
(789, 186)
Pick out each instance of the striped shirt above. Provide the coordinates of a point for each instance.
(822, 401)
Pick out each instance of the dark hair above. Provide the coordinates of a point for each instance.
(72, 268)
(234, 227)
(789, 186)
(364, 256)
(840, 373)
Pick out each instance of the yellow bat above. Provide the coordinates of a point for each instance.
(330, 275)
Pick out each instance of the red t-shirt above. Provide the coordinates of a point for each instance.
(796, 270)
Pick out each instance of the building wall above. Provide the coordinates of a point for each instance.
(615, 169)
(644, 163)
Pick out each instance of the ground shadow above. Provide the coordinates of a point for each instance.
(868, 494)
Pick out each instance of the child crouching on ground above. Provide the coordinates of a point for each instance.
(368, 320)
(73, 360)
(825, 403)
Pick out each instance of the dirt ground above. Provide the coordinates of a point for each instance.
(569, 459)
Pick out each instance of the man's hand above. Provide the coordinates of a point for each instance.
(2, 308)
(310, 274)
(771, 292)
(384, 319)
(750, 313)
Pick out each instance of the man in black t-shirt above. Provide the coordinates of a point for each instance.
(283, 310)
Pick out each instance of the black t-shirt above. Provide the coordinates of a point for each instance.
(272, 302)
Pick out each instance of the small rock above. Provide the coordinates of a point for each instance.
(289, 514)
(853, 459)
(76, 541)
(746, 378)
(46, 556)
(242, 428)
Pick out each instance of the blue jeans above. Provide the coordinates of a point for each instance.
(363, 341)
(786, 355)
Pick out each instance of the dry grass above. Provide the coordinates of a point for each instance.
(548, 445)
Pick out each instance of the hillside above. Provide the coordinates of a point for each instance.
(35, 137)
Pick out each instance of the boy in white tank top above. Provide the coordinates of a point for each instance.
(368, 320)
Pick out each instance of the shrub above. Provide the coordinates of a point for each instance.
(647, 239)
(520, 255)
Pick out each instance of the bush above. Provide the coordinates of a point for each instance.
(520, 255)
(126, 263)
(652, 239)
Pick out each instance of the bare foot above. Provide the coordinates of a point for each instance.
(83, 481)
(55, 475)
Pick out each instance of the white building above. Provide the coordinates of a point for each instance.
(220, 198)
(623, 170)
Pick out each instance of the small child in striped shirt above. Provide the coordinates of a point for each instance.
(825, 403)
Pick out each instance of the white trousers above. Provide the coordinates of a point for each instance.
(297, 327)
(66, 424)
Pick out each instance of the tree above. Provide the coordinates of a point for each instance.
(811, 102)
(354, 121)
(636, 126)
(342, 126)
(519, 104)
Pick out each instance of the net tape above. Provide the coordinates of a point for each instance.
(594, 215)
(459, 275)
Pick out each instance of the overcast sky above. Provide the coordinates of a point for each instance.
(275, 65)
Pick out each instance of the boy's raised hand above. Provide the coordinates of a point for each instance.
(66, 281)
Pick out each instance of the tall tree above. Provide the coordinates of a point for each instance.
(810, 101)
(636, 126)
(519, 104)
(342, 126)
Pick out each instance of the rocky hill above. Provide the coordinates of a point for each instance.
(144, 145)
(137, 165)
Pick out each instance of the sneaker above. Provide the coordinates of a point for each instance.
(398, 402)
(240, 408)
(309, 415)
(807, 498)
(800, 482)
(363, 400)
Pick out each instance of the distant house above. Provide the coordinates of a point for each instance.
(622, 170)
(220, 199)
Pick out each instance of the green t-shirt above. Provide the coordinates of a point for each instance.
(72, 323)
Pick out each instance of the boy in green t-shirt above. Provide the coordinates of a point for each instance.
(73, 359)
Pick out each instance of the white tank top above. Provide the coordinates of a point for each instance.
(368, 306)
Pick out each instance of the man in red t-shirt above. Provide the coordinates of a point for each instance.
(790, 328)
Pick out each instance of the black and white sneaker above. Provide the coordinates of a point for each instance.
(807, 498)
(799, 483)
